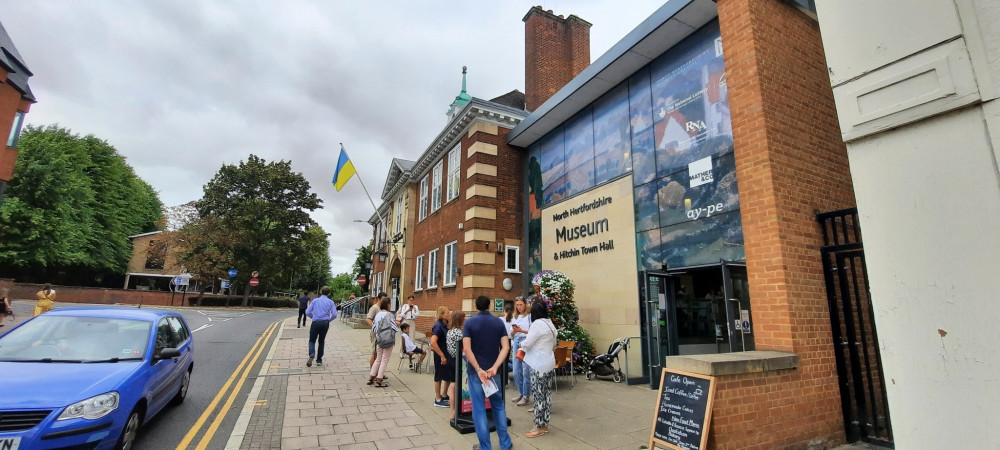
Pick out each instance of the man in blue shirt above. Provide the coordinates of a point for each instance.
(322, 311)
(303, 304)
(485, 345)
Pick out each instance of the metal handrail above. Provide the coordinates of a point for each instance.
(625, 349)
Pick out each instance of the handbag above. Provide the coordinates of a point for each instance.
(520, 354)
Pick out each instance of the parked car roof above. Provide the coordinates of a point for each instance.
(118, 312)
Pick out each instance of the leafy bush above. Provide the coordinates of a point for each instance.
(556, 289)
(237, 300)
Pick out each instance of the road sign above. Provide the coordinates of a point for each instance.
(362, 280)
(254, 274)
(225, 285)
(181, 280)
(254, 282)
(232, 273)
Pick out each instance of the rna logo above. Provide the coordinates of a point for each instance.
(695, 126)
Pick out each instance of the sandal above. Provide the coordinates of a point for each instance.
(370, 381)
(535, 432)
(380, 383)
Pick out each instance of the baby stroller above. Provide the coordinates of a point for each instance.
(602, 364)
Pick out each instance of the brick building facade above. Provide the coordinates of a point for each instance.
(735, 92)
(15, 101)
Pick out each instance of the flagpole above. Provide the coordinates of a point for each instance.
(358, 173)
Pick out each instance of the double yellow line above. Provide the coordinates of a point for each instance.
(248, 362)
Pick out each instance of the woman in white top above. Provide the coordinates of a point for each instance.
(517, 322)
(538, 346)
(408, 314)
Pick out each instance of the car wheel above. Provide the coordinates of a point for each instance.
(130, 430)
(181, 394)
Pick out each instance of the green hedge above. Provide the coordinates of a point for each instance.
(237, 300)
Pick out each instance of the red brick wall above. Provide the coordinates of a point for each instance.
(555, 51)
(441, 227)
(790, 162)
(99, 296)
(10, 103)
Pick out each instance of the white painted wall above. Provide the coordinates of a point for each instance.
(924, 158)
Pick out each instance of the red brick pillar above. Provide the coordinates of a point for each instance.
(791, 163)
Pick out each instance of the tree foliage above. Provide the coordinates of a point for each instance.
(342, 286)
(253, 216)
(364, 256)
(70, 207)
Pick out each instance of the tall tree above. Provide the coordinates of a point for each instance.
(314, 270)
(71, 206)
(264, 209)
(359, 268)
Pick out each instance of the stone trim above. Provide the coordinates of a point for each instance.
(482, 147)
(734, 363)
(478, 281)
(480, 258)
(480, 234)
(481, 190)
(481, 169)
(484, 127)
(481, 212)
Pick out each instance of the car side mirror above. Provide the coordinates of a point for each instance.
(168, 353)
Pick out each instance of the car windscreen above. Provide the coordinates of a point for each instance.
(76, 339)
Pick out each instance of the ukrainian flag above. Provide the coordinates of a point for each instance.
(345, 170)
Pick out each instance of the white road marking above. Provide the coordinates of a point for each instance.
(201, 327)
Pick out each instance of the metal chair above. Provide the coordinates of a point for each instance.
(563, 355)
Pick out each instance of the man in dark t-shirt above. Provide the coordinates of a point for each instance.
(303, 304)
(485, 344)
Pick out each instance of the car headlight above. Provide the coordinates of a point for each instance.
(92, 408)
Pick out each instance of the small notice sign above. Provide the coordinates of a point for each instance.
(700, 172)
(683, 410)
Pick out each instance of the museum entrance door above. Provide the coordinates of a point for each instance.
(695, 310)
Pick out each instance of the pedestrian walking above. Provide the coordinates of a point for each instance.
(486, 345)
(519, 319)
(8, 311)
(408, 314)
(322, 311)
(444, 368)
(385, 329)
(539, 357)
(370, 318)
(46, 300)
(303, 304)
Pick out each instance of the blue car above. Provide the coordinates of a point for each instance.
(88, 378)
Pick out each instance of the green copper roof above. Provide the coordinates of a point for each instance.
(463, 97)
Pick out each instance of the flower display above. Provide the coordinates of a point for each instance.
(556, 290)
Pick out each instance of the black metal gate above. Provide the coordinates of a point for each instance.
(859, 365)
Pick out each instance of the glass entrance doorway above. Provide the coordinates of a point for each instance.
(693, 311)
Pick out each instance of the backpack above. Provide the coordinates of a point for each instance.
(385, 335)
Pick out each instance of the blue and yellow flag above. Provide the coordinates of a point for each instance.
(345, 170)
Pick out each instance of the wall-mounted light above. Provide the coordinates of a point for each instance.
(381, 256)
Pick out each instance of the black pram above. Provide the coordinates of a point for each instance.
(604, 365)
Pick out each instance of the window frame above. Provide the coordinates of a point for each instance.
(399, 214)
(419, 278)
(436, 180)
(15, 129)
(450, 273)
(432, 261)
(454, 173)
(507, 259)
(424, 182)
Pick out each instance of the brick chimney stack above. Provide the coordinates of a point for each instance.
(556, 49)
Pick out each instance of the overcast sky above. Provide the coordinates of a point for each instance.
(182, 87)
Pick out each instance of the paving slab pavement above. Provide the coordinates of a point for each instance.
(331, 407)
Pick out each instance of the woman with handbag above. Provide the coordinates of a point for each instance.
(539, 357)
(518, 321)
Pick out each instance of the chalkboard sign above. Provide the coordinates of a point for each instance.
(683, 410)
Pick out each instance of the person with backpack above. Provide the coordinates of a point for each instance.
(385, 329)
(322, 311)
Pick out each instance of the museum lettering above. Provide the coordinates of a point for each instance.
(590, 229)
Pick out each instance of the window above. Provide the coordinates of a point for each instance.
(436, 186)
(512, 258)
(156, 255)
(423, 198)
(399, 213)
(454, 172)
(180, 331)
(165, 336)
(432, 267)
(15, 129)
(450, 266)
(419, 274)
